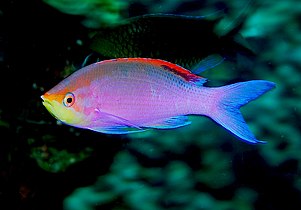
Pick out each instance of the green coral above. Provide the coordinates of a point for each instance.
(52, 159)
(96, 12)
(154, 171)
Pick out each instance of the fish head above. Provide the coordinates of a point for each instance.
(65, 106)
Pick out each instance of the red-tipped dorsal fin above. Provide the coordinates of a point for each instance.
(174, 68)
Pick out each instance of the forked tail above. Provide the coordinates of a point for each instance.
(228, 101)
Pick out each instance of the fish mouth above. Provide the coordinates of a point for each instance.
(48, 105)
(45, 102)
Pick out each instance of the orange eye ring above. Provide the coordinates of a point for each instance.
(69, 99)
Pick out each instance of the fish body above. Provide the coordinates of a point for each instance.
(128, 95)
(180, 39)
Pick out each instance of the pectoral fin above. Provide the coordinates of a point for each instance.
(112, 124)
(117, 129)
(207, 63)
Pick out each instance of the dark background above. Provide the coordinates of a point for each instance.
(37, 42)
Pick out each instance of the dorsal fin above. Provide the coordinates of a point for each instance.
(187, 75)
(174, 68)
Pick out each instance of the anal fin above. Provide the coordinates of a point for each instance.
(168, 123)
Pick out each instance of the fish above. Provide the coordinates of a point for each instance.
(180, 39)
(128, 95)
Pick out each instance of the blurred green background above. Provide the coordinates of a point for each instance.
(47, 165)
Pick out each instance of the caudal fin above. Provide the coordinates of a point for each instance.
(230, 99)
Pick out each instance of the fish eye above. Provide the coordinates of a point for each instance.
(69, 99)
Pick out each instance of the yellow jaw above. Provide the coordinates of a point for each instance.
(65, 114)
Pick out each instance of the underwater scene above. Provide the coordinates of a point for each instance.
(150, 105)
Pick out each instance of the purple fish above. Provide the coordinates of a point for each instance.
(129, 95)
